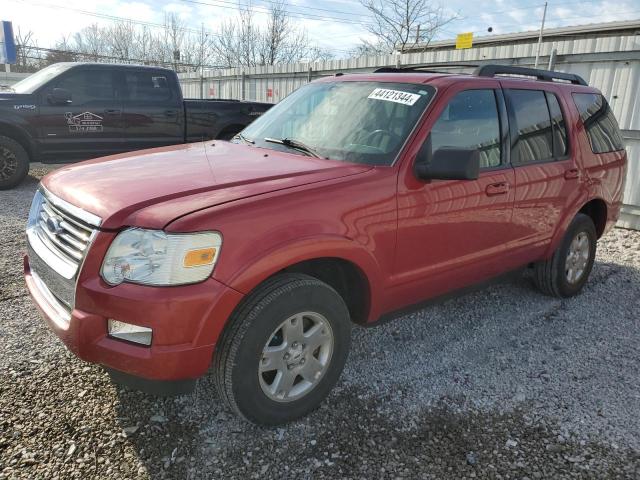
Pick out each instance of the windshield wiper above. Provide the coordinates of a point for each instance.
(239, 136)
(288, 142)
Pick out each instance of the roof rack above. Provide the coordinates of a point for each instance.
(546, 75)
(426, 68)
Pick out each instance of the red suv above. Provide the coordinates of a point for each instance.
(354, 198)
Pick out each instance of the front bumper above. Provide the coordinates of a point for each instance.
(186, 323)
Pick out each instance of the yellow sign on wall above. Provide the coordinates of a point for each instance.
(464, 40)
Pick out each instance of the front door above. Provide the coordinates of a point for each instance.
(452, 233)
(90, 124)
(153, 111)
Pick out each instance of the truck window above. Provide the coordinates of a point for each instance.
(599, 122)
(88, 86)
(147, 86)
(470, 120)
(534, 142)
(559, 126)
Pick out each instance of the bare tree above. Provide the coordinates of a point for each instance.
(27, 53)
(174, 33)
(241, 42)
(401, 23)
(91, 41)
(274, 38)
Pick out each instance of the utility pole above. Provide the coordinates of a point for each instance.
(544, 16)
(203, 38)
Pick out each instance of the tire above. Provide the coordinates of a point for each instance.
(552, 276)
(14, 163)
(242, 350)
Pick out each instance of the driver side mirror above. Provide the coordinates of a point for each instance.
(60, 96)
(447, 163)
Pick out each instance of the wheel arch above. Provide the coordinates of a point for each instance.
(19, 135)
(350, 270)
(596, 209)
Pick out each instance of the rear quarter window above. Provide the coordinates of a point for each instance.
(599, 122)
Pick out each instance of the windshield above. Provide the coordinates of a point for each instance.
(362, 122)
(35, 81)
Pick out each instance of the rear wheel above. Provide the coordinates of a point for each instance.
(566, 272)
(14, 163)
(283, 350)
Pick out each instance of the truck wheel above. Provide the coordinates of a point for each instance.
(283, 350)
(14, 163)
(566, 272)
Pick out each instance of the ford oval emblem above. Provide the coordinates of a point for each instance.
(53, 225)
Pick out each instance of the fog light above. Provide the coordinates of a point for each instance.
(132, 333)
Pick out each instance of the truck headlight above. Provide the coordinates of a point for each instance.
(154, 257)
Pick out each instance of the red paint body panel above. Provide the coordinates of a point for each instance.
(411, 240)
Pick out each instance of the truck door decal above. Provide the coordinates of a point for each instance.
(84, 122)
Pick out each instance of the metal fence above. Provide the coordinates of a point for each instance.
(9, 78)
(610, 63)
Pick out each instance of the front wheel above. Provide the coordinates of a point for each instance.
(283, 350)
(14, 163)
(566, 272)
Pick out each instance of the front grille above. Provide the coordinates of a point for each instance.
(67, 236)
(59, 236)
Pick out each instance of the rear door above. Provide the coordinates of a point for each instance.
(153, 109)
(90, 125)
(546, 174)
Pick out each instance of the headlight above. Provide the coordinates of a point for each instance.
(34, 212)
(153, 257)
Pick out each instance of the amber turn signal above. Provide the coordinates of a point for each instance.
(199, 257)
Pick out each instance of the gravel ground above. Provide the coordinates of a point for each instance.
(502, 383)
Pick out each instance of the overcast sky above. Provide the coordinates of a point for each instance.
(336, 25)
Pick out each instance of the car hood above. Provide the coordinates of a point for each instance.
(151, 188)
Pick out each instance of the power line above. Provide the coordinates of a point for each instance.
(119, 19)
(303, 7)
(262, 9)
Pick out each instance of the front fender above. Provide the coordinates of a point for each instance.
(250, 274)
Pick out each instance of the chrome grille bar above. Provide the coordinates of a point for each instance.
(59, 236)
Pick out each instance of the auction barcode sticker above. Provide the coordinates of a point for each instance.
(396, 96)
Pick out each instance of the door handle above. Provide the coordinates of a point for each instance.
(112, 111)
(170, 113)
(571, 173)
(500, 188)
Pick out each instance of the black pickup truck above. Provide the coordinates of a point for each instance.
(76, 111)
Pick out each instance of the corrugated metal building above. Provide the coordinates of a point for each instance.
(606, 55)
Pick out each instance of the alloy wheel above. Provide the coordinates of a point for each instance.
(296, 356)
(577, 258)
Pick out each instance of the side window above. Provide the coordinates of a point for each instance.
(88, 86)
(147, 86)
(599, 122)
(534, 142)
(470, 120)
(560, 147)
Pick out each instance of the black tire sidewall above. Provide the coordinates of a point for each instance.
(247, 393)
(582, 223)
(22, 158)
